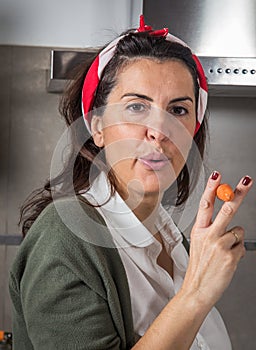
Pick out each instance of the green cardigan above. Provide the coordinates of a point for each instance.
(68, 293)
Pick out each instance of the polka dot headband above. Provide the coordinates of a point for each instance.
(94, 73)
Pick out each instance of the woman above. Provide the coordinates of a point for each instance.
(106, 268)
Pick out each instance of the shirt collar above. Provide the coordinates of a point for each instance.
(120, 218)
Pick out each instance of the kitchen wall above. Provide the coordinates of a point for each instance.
(29, 129)
(69, 23)
(232, 151)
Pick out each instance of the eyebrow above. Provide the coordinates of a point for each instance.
(145, 97)
(178, 99)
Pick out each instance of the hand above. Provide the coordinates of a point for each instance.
(214, 251)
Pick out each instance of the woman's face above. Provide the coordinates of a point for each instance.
(148, 125)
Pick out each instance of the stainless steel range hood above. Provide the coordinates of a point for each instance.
(63, 63)
(221, 32)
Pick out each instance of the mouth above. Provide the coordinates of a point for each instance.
(154, 161)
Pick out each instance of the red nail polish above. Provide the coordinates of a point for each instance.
(215, 175)
(246, 180)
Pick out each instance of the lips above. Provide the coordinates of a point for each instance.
(154, 161)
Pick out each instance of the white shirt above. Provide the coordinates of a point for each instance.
(151, 287)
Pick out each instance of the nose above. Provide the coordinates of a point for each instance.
(156, 134)
(157, 127)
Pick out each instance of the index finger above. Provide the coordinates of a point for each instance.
(229, 209)
(206, 205)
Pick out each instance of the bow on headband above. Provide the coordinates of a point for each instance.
(95, 71)
(145, 28)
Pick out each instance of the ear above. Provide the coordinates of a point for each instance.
(97, 130)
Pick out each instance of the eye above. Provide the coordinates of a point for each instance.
(137, 108)
(178, 110)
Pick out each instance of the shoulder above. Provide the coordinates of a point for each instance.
(67, 209)
(73, 219)
(70, 233)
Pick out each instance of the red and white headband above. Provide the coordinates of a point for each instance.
(94, 73)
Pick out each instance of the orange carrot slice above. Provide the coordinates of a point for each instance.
(225, 193)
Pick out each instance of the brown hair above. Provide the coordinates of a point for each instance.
(76, 171)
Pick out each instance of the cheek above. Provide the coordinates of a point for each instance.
(120, 145)
(181, 156)
(182, 142)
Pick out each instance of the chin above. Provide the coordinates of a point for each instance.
(147, 187)
(145, 183)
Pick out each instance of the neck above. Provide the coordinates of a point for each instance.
(144, 206)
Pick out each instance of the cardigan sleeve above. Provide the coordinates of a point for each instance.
(67, 294)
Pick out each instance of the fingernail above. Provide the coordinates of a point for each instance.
(246, 180)
(215, 175)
